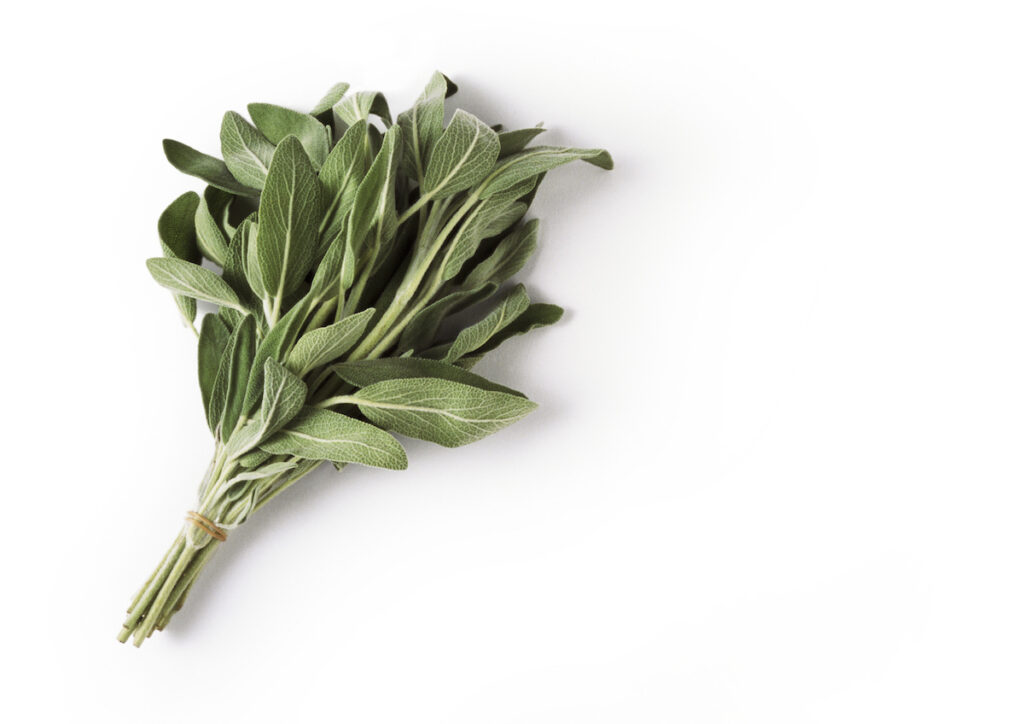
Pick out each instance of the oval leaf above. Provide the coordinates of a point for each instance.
(540, 159)
(440, 411)
(276, 123)
(177, 228)
(211, 170)
(463, 155)
(194, 281)
(247, 153)
(475, 336)
(325, 344)
(364, 373)
(325, 435)
(289, 221)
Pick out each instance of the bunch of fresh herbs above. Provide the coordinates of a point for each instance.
(341, 249)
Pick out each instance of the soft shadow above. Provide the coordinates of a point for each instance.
(294, 504)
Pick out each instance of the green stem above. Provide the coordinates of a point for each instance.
(386, 327)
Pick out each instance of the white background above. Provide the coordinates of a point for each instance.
(776, 471)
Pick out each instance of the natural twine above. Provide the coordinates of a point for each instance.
(205, 524)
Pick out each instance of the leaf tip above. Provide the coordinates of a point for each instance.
(602, 159)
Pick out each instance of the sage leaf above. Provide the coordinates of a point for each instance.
(439, 410)
(508, 257)
(422, 125)
(515, 141)
(375, 197)
(228, 391)
(178, 241)
(341, 174)
(537, 160)
(422, 328)
(193, 281)
(325, 435)
(463, 155)
(210, 235)
(213, 340)
(247, 153)
(475, 336)
(275, 345)
(536, 315)
(490, 219)
(359, 106)
(325, 344)
(176, 227)
(283, 396)
(211, 170)
(277, 123)
(363, 373)
(289, 215)
(330, 98)
(245, 241)
(265, 471)
(254, 458)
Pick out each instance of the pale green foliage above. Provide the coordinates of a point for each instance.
(351, 262)
(439, 410)
(325, 435)
(461, 157)
(247, 152)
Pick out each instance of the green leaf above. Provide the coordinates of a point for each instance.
(276, 123)
(177, 228)
(244, 241)
(266, 471)
(358, 107)
(325, 435)
(246, 151)
(275, 345)
(290, 211)
(463, 156)
(438, 410)
(209, 231)
(475, 336)
(228, 391)
(330, 98)
(284, 395)
(508, 257)
(515, 141)
(213, 340)
(178, 241)
(344, 168)
(325, 279)
(422, 329)
(422, 125)
(488, 219)
(535, 316)
(254, 458)
(325, 344)
(375, 197)
(363, 373)
(194, 281)
(537, 160)
(211, 170)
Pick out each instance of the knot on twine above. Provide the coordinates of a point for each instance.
(206, 525)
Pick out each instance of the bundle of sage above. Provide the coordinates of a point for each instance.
(341, 251)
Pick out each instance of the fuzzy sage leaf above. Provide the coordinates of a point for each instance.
(439, 410)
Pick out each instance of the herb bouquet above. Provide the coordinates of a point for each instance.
(339, 245)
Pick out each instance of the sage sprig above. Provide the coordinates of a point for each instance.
(340, 249)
